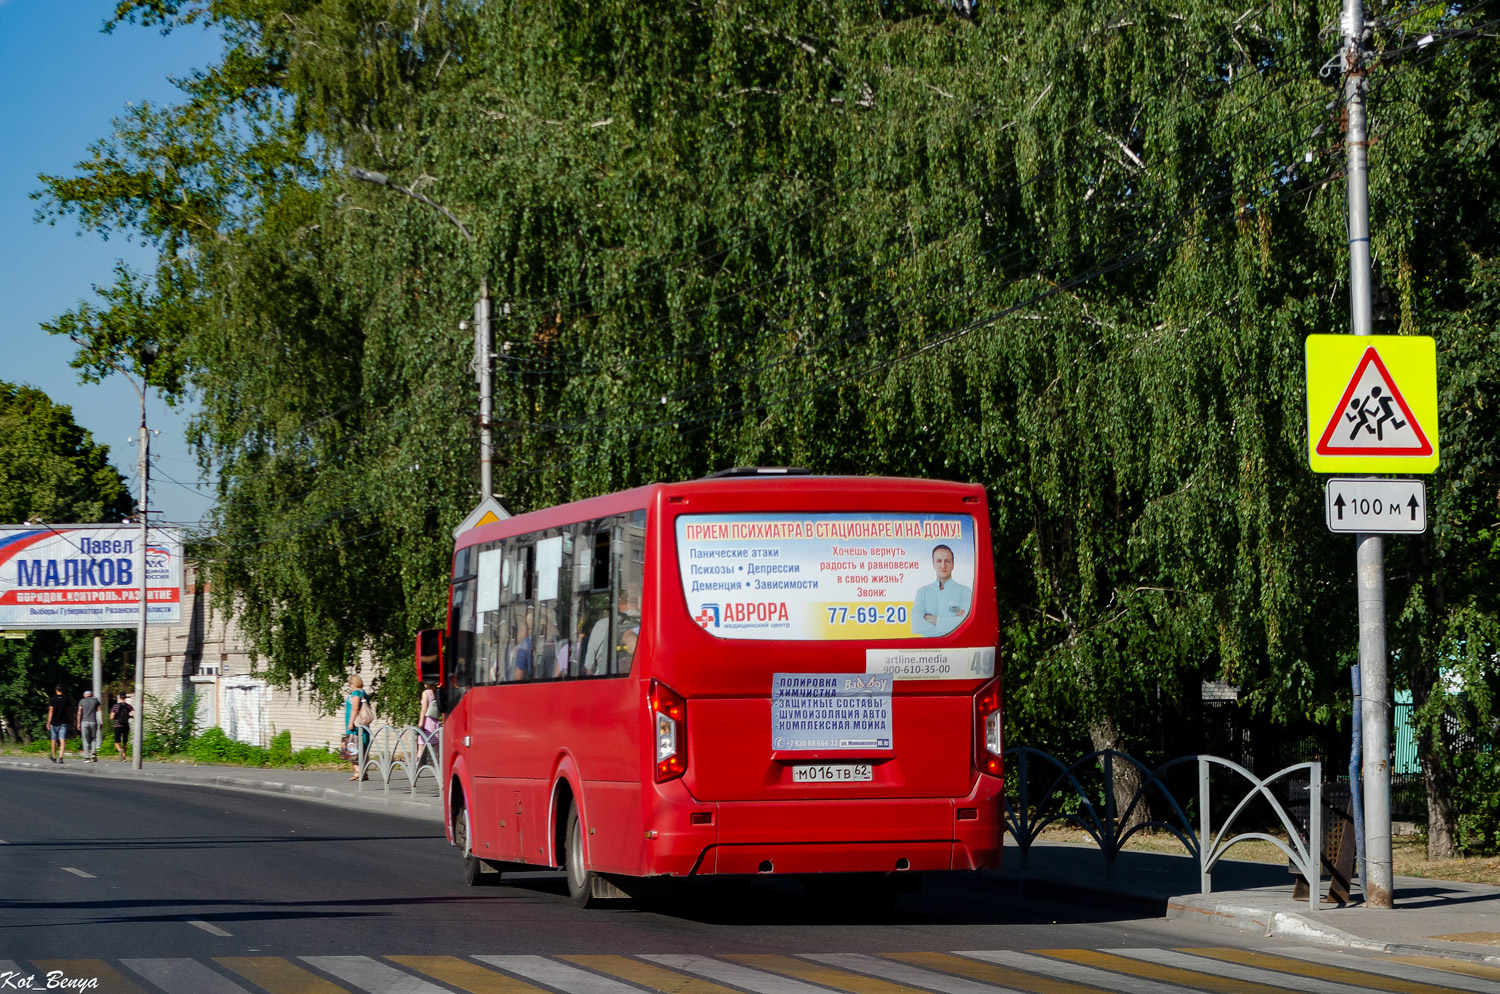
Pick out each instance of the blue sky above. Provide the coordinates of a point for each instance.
(62, 82)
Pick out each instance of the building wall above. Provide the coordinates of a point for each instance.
(206, 655)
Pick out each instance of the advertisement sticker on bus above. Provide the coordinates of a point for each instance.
(830, 711)
(827, 577)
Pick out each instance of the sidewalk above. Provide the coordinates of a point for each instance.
(1431, 918)
(322, 786)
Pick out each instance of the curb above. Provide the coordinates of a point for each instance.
(1201, 909)
(428, 809)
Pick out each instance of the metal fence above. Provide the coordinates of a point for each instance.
(400, 753)
(1081, 794)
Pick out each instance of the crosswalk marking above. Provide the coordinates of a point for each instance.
(109, 978)
(918, 969)
(1170, 974)
(648, 975)
(559, 975)
(1329, 965)
(736, 975)
(183, 976)
(371, 975)
(277, 975)
(1117, 983)
(1301, 983)
(466, 976)
(1476, 970)
(1219, 970)
(817, 973)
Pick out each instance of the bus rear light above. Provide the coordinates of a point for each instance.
(987, 744)
(701, 818)
(669, 718)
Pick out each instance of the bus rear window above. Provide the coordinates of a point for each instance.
(827, 577)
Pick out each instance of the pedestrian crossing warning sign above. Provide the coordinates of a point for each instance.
(1372, 404)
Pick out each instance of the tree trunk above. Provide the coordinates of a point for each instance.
(1127, 780)
(1434, 755)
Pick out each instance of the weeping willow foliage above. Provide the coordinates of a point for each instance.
(1069, 250)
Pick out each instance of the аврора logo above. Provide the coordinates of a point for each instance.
(708, 616)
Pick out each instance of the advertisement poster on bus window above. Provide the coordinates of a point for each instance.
(85, 576)
(827, 576)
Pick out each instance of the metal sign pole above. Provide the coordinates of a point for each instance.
(1370, 557)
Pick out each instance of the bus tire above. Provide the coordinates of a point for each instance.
(575, 862)
(476, 873)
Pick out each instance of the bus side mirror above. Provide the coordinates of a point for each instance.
(430, 656)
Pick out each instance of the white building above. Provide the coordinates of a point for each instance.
(206, 656)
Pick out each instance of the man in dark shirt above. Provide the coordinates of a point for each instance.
(88, 726)
(57, 725)
(120, 716)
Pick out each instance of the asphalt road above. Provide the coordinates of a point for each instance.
(113, 880)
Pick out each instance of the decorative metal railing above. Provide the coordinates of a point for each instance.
(1081, 795)
(401, 752)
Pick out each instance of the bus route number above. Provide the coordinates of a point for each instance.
(868, 614)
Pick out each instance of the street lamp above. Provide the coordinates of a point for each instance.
(483, 342)
(146, 357)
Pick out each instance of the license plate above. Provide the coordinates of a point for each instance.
(832, 773)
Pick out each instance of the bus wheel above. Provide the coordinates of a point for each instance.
(580, 877)
(476, 874)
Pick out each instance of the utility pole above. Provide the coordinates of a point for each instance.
(484, 345)
(1376, 874)
(140, 632)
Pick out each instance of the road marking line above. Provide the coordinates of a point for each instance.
(908, 969)
(210, 929)
(464, 975)
(1153, 972)
(371, 975)
(1301, 983)
(277, 975)
(79, 873)
(1329, 965)
(822, 974)
(184, 976)
(1076, 972)
(109, 978)
(559, 975)
(1477, 970)
(735, 975)
(648, 975)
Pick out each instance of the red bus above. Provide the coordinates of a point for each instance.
(760, 672)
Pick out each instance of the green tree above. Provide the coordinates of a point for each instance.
(1067, 251)
(51, 471)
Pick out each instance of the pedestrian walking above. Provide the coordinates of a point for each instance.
(357, 718)
(119, 716)
(88, 726)
(57, 725)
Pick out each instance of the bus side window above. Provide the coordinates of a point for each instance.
(520, 637)
(630, 559)
(490, 615)
(461, 642)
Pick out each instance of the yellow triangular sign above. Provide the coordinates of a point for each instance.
(487, 512)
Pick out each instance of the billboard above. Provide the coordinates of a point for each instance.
(88, 576)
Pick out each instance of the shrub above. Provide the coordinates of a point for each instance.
(170, 725)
